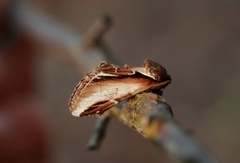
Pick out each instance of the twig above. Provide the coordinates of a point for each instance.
(98, 132)
(85, 51)
(151, 116)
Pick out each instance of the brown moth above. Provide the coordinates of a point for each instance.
(109, 84)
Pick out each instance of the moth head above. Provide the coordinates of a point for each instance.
(158, 72)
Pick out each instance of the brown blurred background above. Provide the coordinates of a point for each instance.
(198, 42)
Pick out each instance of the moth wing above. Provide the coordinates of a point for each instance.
(99, 108)
(101, 95)
(107, 69)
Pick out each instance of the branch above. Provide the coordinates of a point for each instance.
(147, 113)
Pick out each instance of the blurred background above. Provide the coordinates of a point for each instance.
(45, 51)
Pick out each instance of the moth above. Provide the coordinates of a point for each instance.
(109, 84)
